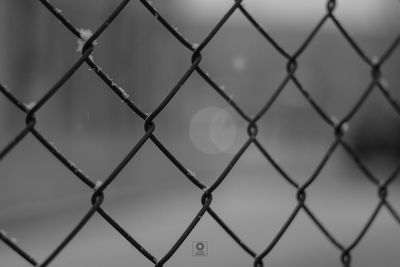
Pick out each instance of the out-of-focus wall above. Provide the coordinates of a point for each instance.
(147, 62)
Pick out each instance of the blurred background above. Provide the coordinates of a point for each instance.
(41, 201)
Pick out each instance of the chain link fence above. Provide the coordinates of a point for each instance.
(339, 127)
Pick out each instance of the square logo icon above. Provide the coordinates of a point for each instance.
(199, 248)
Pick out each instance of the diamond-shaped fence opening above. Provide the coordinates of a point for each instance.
(261, 169)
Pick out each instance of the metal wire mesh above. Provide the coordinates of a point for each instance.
(338, 127)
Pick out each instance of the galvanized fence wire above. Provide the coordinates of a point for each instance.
(338, 126)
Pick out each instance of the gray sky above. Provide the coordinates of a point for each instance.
(359, 14)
